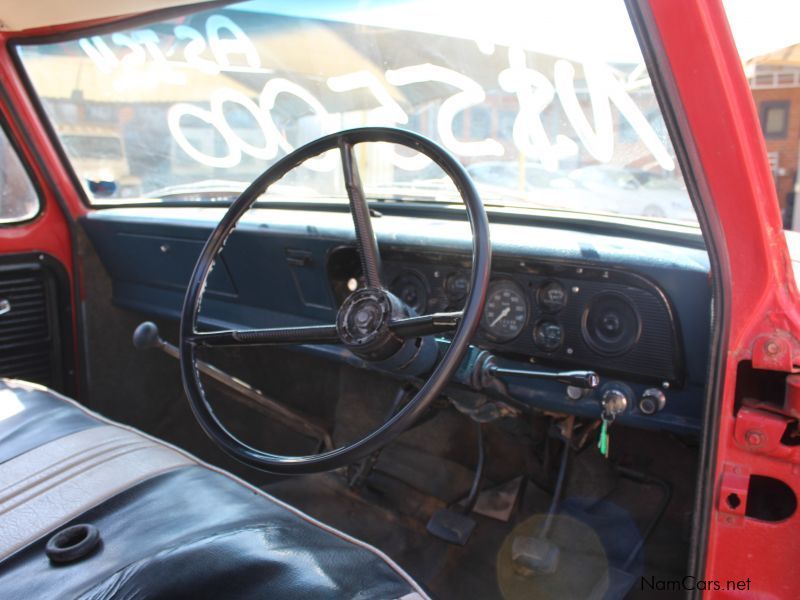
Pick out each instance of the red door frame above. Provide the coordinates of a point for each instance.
(758, 315)
(49, 231)
(52, 232)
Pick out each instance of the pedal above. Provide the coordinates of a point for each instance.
(498, 502)
(533, 555)
(451, 526)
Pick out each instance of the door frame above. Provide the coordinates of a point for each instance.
(756, 305)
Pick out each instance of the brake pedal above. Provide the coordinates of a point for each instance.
(451, 526)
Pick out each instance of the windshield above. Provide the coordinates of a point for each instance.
(92, 146)
(547, 105)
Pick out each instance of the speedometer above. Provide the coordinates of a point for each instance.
(506, 311)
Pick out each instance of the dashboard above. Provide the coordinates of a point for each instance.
(634, 308)
(562, 314)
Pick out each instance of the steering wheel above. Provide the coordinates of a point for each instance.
(372, 322)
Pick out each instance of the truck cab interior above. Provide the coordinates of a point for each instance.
(365, 300)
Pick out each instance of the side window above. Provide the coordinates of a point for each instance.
(18, 198)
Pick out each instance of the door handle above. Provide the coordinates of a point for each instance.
(5, 307)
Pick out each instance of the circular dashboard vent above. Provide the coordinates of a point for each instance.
(610, 324)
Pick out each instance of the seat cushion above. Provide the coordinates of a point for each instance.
(170, 525)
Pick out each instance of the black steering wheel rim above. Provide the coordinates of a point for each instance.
(443, 371)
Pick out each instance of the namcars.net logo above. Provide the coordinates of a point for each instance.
(691, 583)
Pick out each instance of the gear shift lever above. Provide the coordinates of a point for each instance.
(146, 337)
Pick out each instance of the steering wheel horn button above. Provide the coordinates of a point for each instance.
(363, 323)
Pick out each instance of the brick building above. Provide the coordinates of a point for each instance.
(775, 82)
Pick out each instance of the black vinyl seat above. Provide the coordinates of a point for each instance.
(170, 526)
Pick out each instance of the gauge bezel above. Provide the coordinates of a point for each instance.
(453, 298)
(547, 319)
(542, 303)
(422, 287)
(518, 289)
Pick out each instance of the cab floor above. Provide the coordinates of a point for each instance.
(392, 515)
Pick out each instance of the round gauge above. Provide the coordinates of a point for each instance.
(412, 291)
(548, 335)
(552, 296)
(506, 311)
(456, 286)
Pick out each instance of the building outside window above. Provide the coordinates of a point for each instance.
(768, 39)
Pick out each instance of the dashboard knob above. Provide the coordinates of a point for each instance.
(614, 402)
(577, 393)
(652, 401)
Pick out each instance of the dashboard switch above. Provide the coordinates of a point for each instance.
(652, 401)
(576, 393)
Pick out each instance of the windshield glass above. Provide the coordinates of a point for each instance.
(92, 146)
(547, 105)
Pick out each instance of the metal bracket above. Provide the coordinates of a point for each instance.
(773, 353)
(733, 493)
(761, 431)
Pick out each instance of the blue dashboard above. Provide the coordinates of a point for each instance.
(632, 305)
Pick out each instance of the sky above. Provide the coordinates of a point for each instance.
(760, 26)
(599, 29)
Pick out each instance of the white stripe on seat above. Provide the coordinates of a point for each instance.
(48, 486)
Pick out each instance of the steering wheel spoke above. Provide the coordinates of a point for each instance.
(275, 336)
(426, 324)
(359, 209)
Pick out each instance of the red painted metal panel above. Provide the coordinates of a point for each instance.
(764, 319)
(36, 137)
(49, 232)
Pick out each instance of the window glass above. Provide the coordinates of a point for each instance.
(768, 38)
(18, 199)
(545, 110)
(481, 123)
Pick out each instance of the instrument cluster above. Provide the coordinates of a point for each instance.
(554, 313)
